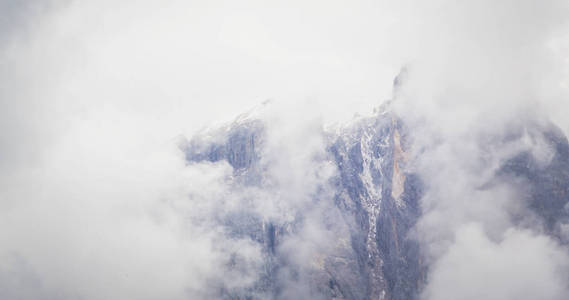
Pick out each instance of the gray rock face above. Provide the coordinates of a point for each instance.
(377, 201)
(542, 172)
(382, 199)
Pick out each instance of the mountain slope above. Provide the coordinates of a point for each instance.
(369, 206)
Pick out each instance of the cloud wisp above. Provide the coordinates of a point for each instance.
(490, 75)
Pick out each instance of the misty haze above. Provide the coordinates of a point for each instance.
(299, 149)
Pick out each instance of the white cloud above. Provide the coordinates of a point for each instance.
(521, 265)
(96, 200)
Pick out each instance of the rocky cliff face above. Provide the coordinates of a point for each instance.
(542, 174)
(376, 198)
(382, 198)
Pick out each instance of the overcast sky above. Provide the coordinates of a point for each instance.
(192, 62)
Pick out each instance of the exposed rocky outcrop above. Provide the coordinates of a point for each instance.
(377, 198)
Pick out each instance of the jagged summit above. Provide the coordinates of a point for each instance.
(374, 197)
(256, 113)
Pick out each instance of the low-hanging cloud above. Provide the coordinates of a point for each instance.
(488, 73)
(98, 202)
